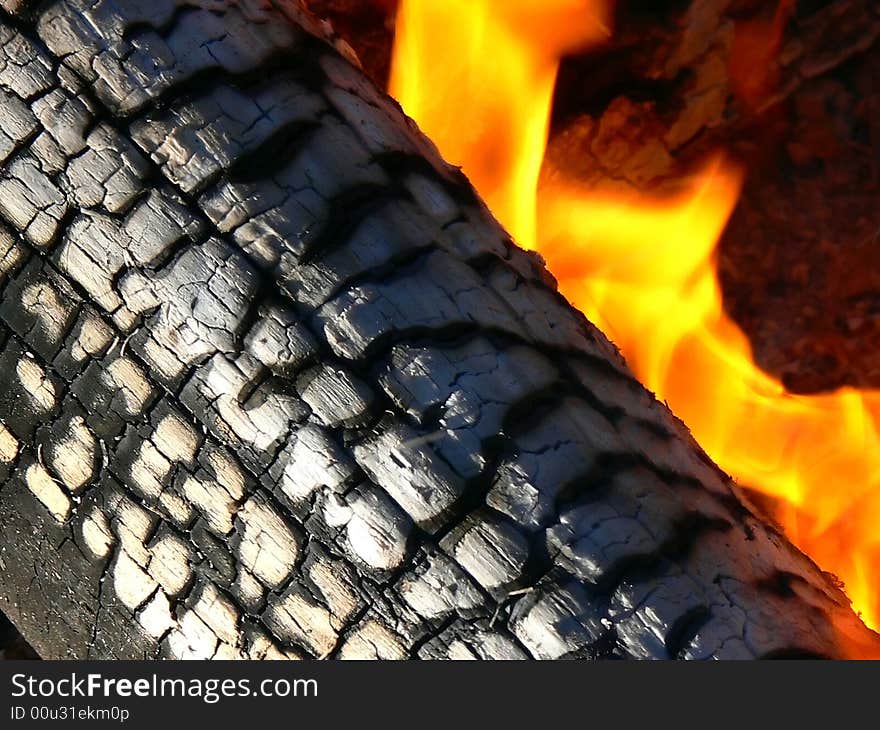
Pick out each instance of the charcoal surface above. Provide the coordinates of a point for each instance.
(273, 383)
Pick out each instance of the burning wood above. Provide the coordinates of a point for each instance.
(642, 265)
(318, 404)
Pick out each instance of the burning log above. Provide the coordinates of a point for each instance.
(629, 231)
(275, 383)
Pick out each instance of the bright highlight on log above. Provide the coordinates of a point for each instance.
(478, 77)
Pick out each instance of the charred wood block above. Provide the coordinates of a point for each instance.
(274, 384)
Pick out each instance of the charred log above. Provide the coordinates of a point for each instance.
(329, 409)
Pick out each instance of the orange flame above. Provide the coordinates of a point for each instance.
(482, 89)
(478, 76)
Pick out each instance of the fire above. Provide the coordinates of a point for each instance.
(478, 76)
(482, 89)
(661, 304)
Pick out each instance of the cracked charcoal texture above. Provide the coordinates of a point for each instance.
(276, 385)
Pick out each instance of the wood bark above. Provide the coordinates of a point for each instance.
(273, 383)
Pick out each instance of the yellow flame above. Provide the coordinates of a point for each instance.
(482, 89)
(478, 76)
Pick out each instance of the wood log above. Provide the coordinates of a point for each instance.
(273, 383)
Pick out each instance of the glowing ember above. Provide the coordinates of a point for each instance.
(478, 76)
